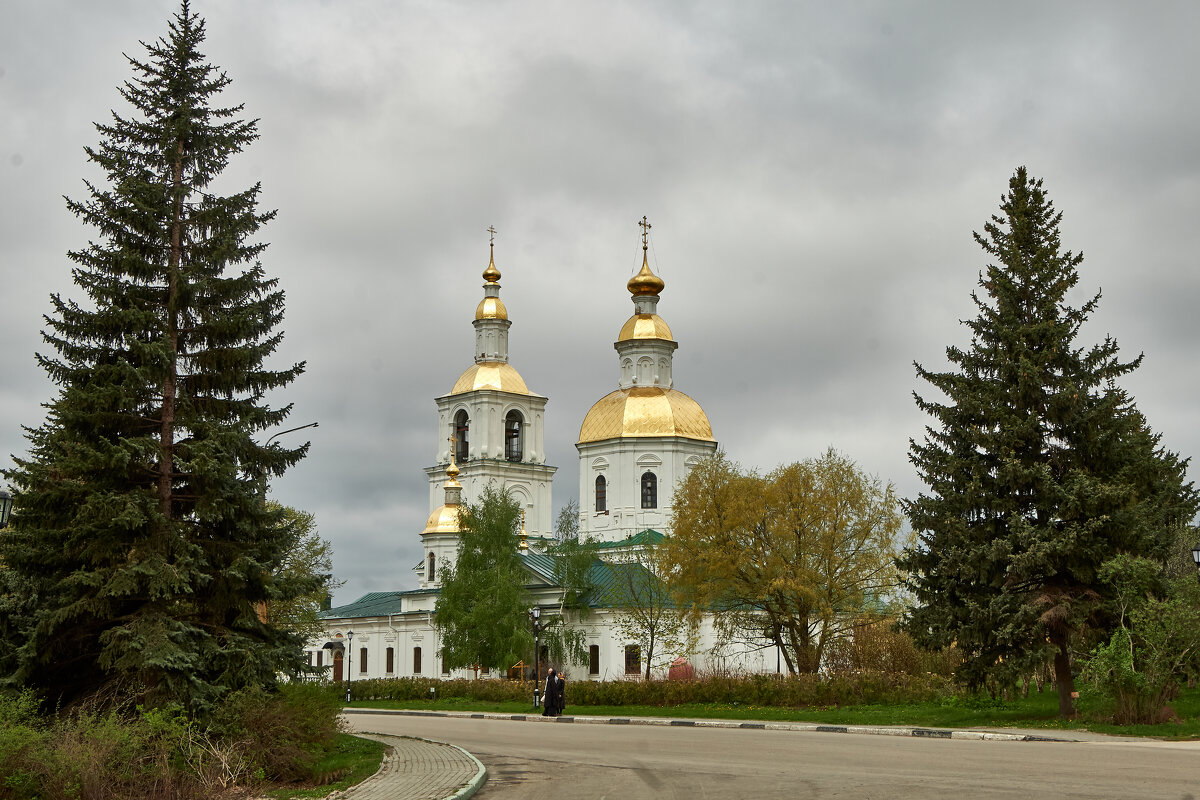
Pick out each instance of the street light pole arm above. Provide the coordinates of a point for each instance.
(290, 430)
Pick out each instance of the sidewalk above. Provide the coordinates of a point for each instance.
(417, 769)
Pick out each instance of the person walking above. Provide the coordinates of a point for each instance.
(560, 695)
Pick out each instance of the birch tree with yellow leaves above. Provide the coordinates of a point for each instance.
(795, 556)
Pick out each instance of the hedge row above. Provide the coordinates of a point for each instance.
(802, 691)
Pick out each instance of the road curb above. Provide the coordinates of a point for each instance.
(799, 727)
(476, 782)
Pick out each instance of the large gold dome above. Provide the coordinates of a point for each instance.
(444, 519)
(645, 326)
(643, 411)
(491, 375)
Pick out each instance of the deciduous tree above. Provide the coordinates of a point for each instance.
(644, 610)
(482, 608)
(792, 557)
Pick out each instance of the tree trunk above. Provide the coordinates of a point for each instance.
(166, 466)
(1064, 680)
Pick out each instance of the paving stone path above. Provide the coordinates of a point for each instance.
(416, 769)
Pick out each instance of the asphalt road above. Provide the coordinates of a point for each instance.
(540, 761)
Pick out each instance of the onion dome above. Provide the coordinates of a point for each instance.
(497, 375)
(643, 411)
(491, 274)
(645, 282)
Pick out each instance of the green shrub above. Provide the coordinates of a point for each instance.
(801, 691)
(280, 735)
(86, 754)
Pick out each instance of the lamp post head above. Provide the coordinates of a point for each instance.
(1196, 555)
(537, 612)
(349, 636)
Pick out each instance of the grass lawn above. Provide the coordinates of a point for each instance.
(1036, 711)
(349, 761)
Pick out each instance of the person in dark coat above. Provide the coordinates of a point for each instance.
(560, 695)
(549, 693)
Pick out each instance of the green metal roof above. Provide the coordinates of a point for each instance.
(646, 537)
(375, 604)
(608, 581)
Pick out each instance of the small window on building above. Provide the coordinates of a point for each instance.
(320, 658)
(445, 668)
(513, 425)
(310, 657)
(633, 659)
(594, 660)
(431, 574)
(416, 661)
(462, 426)
(601, 494)
(391, 660)
(649, 490)
(362, 660)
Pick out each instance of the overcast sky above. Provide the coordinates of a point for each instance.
(813, 172)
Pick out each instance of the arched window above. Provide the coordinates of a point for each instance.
(431, 576)
(601, 494)
(513, 424)
(462, 425)
(416, 661)
(649, 490)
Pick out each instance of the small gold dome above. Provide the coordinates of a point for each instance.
(645, 326)
(491, 274)
(645, 282)
(491, 308)
(645, 411)
(491, 375)
(444, 519)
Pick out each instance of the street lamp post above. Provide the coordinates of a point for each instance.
(5, 507)
(1196, 555)
(535, 614)
(346, 660)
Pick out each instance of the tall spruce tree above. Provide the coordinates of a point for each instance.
(142, 543)
(1039, 467)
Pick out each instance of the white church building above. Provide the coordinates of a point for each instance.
(635, 444)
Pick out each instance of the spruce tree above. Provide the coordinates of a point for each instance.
(1038, 466)
(142, 544)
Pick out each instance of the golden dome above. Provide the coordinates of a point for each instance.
(491, 308)
(491, 375)
(444, 519)
(645, 282)
(491, 274)
(645, 326)
(645, 411)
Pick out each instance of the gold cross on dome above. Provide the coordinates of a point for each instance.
(451, 440)
(492, 231)
(645, 226)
